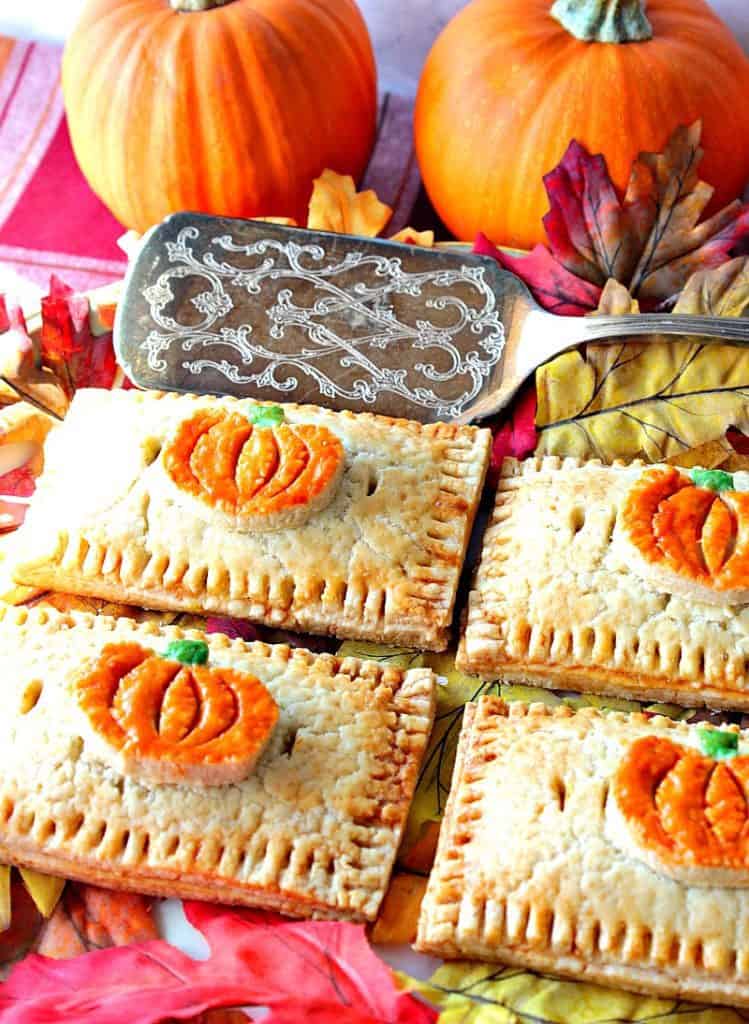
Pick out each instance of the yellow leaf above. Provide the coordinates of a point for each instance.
(337, 206)
(285, 222)
(473, 993)
(528, 694)
(410, 237)
(650, 400)
(399, 913)
(45, 890)
(615, 300)
(5, 909)
(710, 455)
(428, 805)
(399, 657)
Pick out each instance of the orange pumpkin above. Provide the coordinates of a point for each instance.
(160, 719)
(507, 86)
(696, 533)
(687, 809)
(223, 107)
(263, 477)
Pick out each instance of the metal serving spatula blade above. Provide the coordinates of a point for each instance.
(252, 309)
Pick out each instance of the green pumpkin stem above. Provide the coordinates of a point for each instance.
(196, 5)
(604, 21)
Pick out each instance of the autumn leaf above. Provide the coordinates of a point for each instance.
(554, 286)
(25, 923)
(335, 205)
(650, 240)
(312, 971)
(237, 629)
(399, 914)
(21, 376)
(68, 344)
(410, 237)
(515, 437)
(650, 399)
(89, 918)
(474, 993)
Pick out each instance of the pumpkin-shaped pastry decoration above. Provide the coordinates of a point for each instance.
(688, 533)
(254, 471)
(231, 107)
(174, 718)
(683, 811)
(509, 83)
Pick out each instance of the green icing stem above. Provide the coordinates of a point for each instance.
(265, 415)
(718, 743)
(189, 652)
(712, 479)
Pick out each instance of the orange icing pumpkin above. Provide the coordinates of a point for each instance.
(685, 812)
(689, 538)
(166, 721)
(260, 477)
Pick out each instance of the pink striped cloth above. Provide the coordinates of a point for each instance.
(51, 221)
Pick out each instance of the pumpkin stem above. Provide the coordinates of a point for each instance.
(604, 21)
(196, 5)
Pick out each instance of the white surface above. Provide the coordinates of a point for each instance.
(402, 30)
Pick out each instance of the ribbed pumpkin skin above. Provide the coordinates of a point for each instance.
(506, 87)
(231, 111)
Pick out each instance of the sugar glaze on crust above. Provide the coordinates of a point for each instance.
(312, 832)
(380, 562)
(528, 871)
(557, 600)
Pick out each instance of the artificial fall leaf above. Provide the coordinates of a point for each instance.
(650, 240)
(554, 287)
(474, 993)
(650, 399)
(285, 222)
(335, 205)
(19, 937)
(515, 437)
(5, 904)
(68, 344)
(21, 376)
(410, 237)
(45, 890)
(321, 971)
(399, 914)
(89, 918)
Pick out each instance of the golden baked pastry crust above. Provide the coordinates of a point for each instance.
(380, 562)
(313, 831)
(528, 873)
(558, 601)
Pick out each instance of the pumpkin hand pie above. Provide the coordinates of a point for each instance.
(179, 764)
(596, 845)
(295, 516)
(628, 580)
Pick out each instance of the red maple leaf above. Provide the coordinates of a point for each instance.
(302, 970)
(67, 344)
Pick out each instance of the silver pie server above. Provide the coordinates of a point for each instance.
(252, 309)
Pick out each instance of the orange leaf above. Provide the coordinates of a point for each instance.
(88, 918)
(399, 913)
(420, 855)
(411, 237)
(337, 206)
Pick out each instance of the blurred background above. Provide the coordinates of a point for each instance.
(402, 30)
